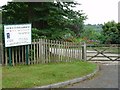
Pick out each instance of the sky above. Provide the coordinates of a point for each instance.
(97, 11)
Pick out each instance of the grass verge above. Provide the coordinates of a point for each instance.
(44, 74)
(0, 77)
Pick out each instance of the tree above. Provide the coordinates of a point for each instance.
(111, 32)
(48, 17)
(92, 32)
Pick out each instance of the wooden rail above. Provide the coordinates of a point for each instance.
(103, 52)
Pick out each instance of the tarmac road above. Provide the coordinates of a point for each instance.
(107, 77)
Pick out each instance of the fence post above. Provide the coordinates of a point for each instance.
(27, 55)
(10, 57)
(84, 56)
(1, 54)
(13, 56)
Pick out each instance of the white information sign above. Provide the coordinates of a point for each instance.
(16, 35)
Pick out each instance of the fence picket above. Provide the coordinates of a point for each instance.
(31, 53)
(62, 50)
(45, 51)
(19, 56)
(38, 50)
(73, 51)
(23, 54)
(48, 51)
(34, 52)
(41, 56)
(28, 54)
(13, 56)
(67, 52)
(6, 57)
(16, 57)
(45, 60)
(42, 50)
(80, 50)
(59, 51)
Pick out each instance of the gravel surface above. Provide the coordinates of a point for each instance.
(107, 77)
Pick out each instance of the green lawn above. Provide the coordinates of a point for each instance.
(43, 74)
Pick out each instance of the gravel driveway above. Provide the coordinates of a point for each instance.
(107, 77)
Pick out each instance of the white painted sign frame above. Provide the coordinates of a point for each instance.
(17, 35)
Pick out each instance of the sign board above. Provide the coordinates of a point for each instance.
(17, 35)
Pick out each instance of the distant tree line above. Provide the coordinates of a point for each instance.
(111, 33)
(107, 33)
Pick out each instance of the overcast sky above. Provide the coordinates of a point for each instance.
(98, 11)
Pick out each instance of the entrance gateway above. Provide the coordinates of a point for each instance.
(103, 52)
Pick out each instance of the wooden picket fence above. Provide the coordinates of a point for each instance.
(44, 51)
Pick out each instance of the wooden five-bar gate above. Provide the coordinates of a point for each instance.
(103, 52)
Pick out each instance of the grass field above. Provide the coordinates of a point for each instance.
(43, 74)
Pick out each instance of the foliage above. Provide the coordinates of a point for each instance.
(52, 20)
(111, 32)
(91, 33)
(35, 33)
